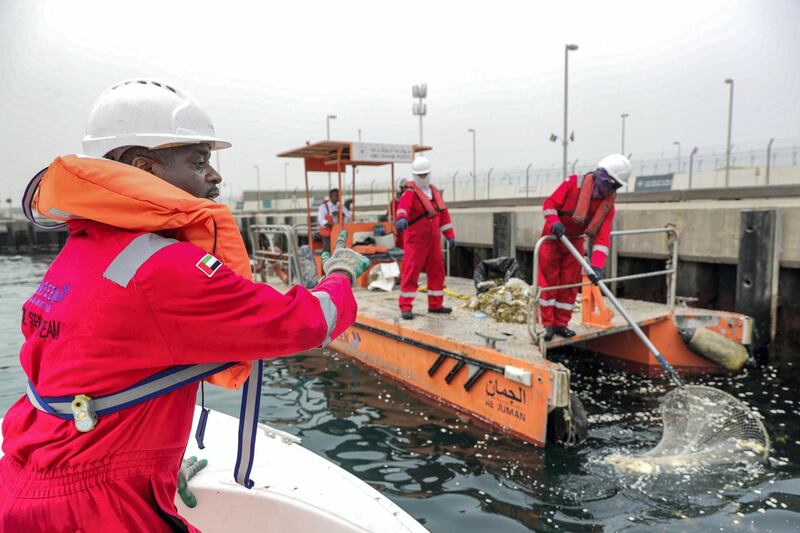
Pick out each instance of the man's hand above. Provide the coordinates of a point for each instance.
(597, 275)
(344, 260)
(558, 230)
(451, 243)
(402, 224)
(189, 467)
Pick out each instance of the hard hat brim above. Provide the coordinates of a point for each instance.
(100, 146)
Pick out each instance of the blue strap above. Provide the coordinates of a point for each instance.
(248, 425)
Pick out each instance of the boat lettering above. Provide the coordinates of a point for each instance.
(493, 388)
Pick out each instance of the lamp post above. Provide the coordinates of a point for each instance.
(420, 109)
(769, 156)
(527, 179)
(729, 81)
(489, 183)
(359, 134)
(567, 49)
(258, 187)
(328, 137)
(286, 176)
(691, 165)
(454, 185)
(678, 144)
(474, 172)
(574, 164)
(623, 116)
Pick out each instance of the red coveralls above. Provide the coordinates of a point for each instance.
(87, 335)
(422, 246)
(556, 264)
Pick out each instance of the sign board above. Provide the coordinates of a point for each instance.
(656, 182)
(378, 152)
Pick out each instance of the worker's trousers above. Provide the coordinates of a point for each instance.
(558, 267)
(422, 253)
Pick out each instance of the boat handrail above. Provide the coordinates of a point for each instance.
(671, 272)
(288, 259)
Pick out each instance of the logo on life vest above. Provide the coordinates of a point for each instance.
(209, 264)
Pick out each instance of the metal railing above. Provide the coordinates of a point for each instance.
(671, 271)
(275, 245)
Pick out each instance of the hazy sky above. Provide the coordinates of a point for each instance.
(269, 73)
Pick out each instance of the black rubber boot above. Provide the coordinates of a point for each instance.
(441, 310)
(548, 333)
(564, 331)
(407, 315)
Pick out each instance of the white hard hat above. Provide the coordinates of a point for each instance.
(617, 166)
(421, 165)
(147, 113)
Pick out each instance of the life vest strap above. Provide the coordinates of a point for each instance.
(165, 382)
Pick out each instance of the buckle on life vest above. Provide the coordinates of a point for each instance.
(83, 413)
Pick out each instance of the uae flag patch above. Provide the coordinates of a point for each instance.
(209, 264)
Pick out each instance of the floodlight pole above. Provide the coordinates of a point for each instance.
(565, 138)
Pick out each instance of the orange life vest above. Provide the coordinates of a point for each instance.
(80, 187)
(325, 231)
(431, 208)
(584, 201)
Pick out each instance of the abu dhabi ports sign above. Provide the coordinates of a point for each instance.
(382, 153)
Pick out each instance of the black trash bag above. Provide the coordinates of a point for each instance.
(490, 270)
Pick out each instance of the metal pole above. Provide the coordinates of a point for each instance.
(258, 187)
(613, 299)
(729, 81)
(474, 167)
(454, 185)
(489, 184)
(565, 138)
(574, 164)
(328, 137)
(359, 134)
(678, 144)
(285, 177)
(371, 194)
(691, 166)
(769, 155)
(420, 124)
(622, 149)
(527, 180)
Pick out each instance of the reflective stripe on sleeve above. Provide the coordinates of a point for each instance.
(446, 227)
(329, 310)
(134, 255)
(402, 212)
(548, 212)
(600, 248)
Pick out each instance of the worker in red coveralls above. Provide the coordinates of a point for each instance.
(153, 280)
(580, 205)
(422, 216)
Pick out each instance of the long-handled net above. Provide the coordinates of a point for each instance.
(702, 425)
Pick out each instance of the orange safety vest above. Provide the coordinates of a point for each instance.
(325, 231)
(584, 201)
(431, 209)
(80, 187)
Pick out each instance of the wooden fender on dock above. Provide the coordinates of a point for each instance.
(511, 393)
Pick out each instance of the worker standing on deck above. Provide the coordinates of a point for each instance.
(580, 205)
(328, 215)
(151, 293)
(422, 216)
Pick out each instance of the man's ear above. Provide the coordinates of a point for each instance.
(143, 163)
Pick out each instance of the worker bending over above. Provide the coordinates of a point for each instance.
(422, 216)
(328, 215)
(151, 293)
(580, 205)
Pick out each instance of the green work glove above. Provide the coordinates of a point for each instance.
(344, 260)
(189, 467)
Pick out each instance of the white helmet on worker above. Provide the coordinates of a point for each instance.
(421, 165)
(147, 113)
(617, 166)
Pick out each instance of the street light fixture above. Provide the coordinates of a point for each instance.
(474, 172)
(729, 81)
(567, 49)
(624, 116)
(420, 108)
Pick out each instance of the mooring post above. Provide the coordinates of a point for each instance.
(504, 234)
(757, 273)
